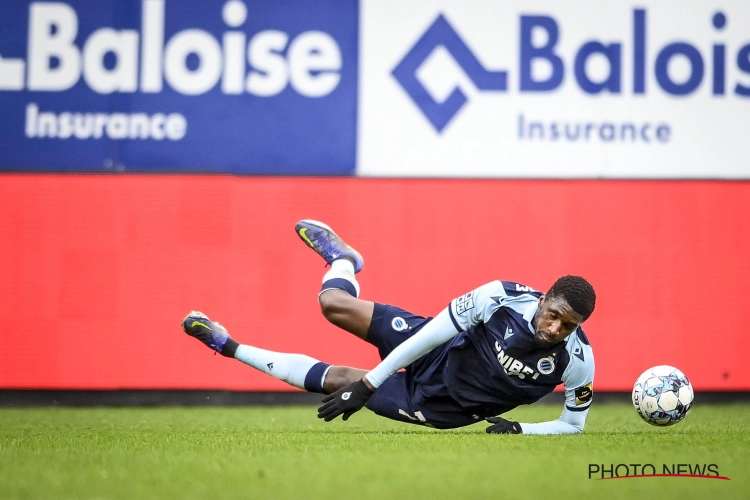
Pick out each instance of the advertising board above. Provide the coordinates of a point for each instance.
(550, 89)
(243, 87)
(94, 285)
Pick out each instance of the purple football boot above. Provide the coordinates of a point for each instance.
(196, 324)
(326, 243)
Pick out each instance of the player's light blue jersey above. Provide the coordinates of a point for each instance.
(494, 365)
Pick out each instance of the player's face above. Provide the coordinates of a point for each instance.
(554, 321)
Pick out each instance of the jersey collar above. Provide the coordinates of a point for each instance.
(528, 316)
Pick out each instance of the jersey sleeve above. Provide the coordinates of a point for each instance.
(571, 422)
(578, 378)
(477, 306)
(434, 333)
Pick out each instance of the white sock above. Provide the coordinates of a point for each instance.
(343, 265)
(290, 368)
(340, 269)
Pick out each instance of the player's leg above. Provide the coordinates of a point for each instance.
(297, 370)
(348, 313)
(401, 397)
(339, 377)
(339, 294)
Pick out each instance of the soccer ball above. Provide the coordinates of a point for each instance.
(662, 395)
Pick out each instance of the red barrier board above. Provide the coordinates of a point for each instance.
(96, 272)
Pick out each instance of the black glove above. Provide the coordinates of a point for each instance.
(502, 426)
(345, 401)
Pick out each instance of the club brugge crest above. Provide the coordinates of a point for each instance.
(546, 365)
(399, 324)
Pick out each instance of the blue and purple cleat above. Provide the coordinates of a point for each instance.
(326, 243)
(196, 324)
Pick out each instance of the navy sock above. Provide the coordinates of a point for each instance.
(314, 377)
(230, 348)
(341, 284)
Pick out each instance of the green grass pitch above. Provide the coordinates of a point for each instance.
(286, 452)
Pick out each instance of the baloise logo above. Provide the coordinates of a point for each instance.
(442, 34)
(191, 62)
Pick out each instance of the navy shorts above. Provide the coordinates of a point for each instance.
(401, 396)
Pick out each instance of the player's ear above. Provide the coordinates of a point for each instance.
(541, 299)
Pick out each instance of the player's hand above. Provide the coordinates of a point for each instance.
(345, 401)
(502, 426)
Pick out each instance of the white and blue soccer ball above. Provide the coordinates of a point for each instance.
(662, 395)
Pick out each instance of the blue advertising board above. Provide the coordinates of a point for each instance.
(257, 87)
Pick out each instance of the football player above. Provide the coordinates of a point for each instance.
(497, 347)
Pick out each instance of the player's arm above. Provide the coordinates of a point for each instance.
(569, 423)
(579, 392)
(463, 312)
(572, 420)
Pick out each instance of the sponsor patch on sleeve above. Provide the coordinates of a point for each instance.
(584, 394)
(464, 303)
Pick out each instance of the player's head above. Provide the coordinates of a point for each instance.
(568, 303)
(577, 292)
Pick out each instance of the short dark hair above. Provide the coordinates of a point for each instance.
(577, 292)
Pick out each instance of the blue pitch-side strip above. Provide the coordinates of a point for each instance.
(300, 122)
(455, 323)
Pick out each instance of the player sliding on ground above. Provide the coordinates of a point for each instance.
(491, 350)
